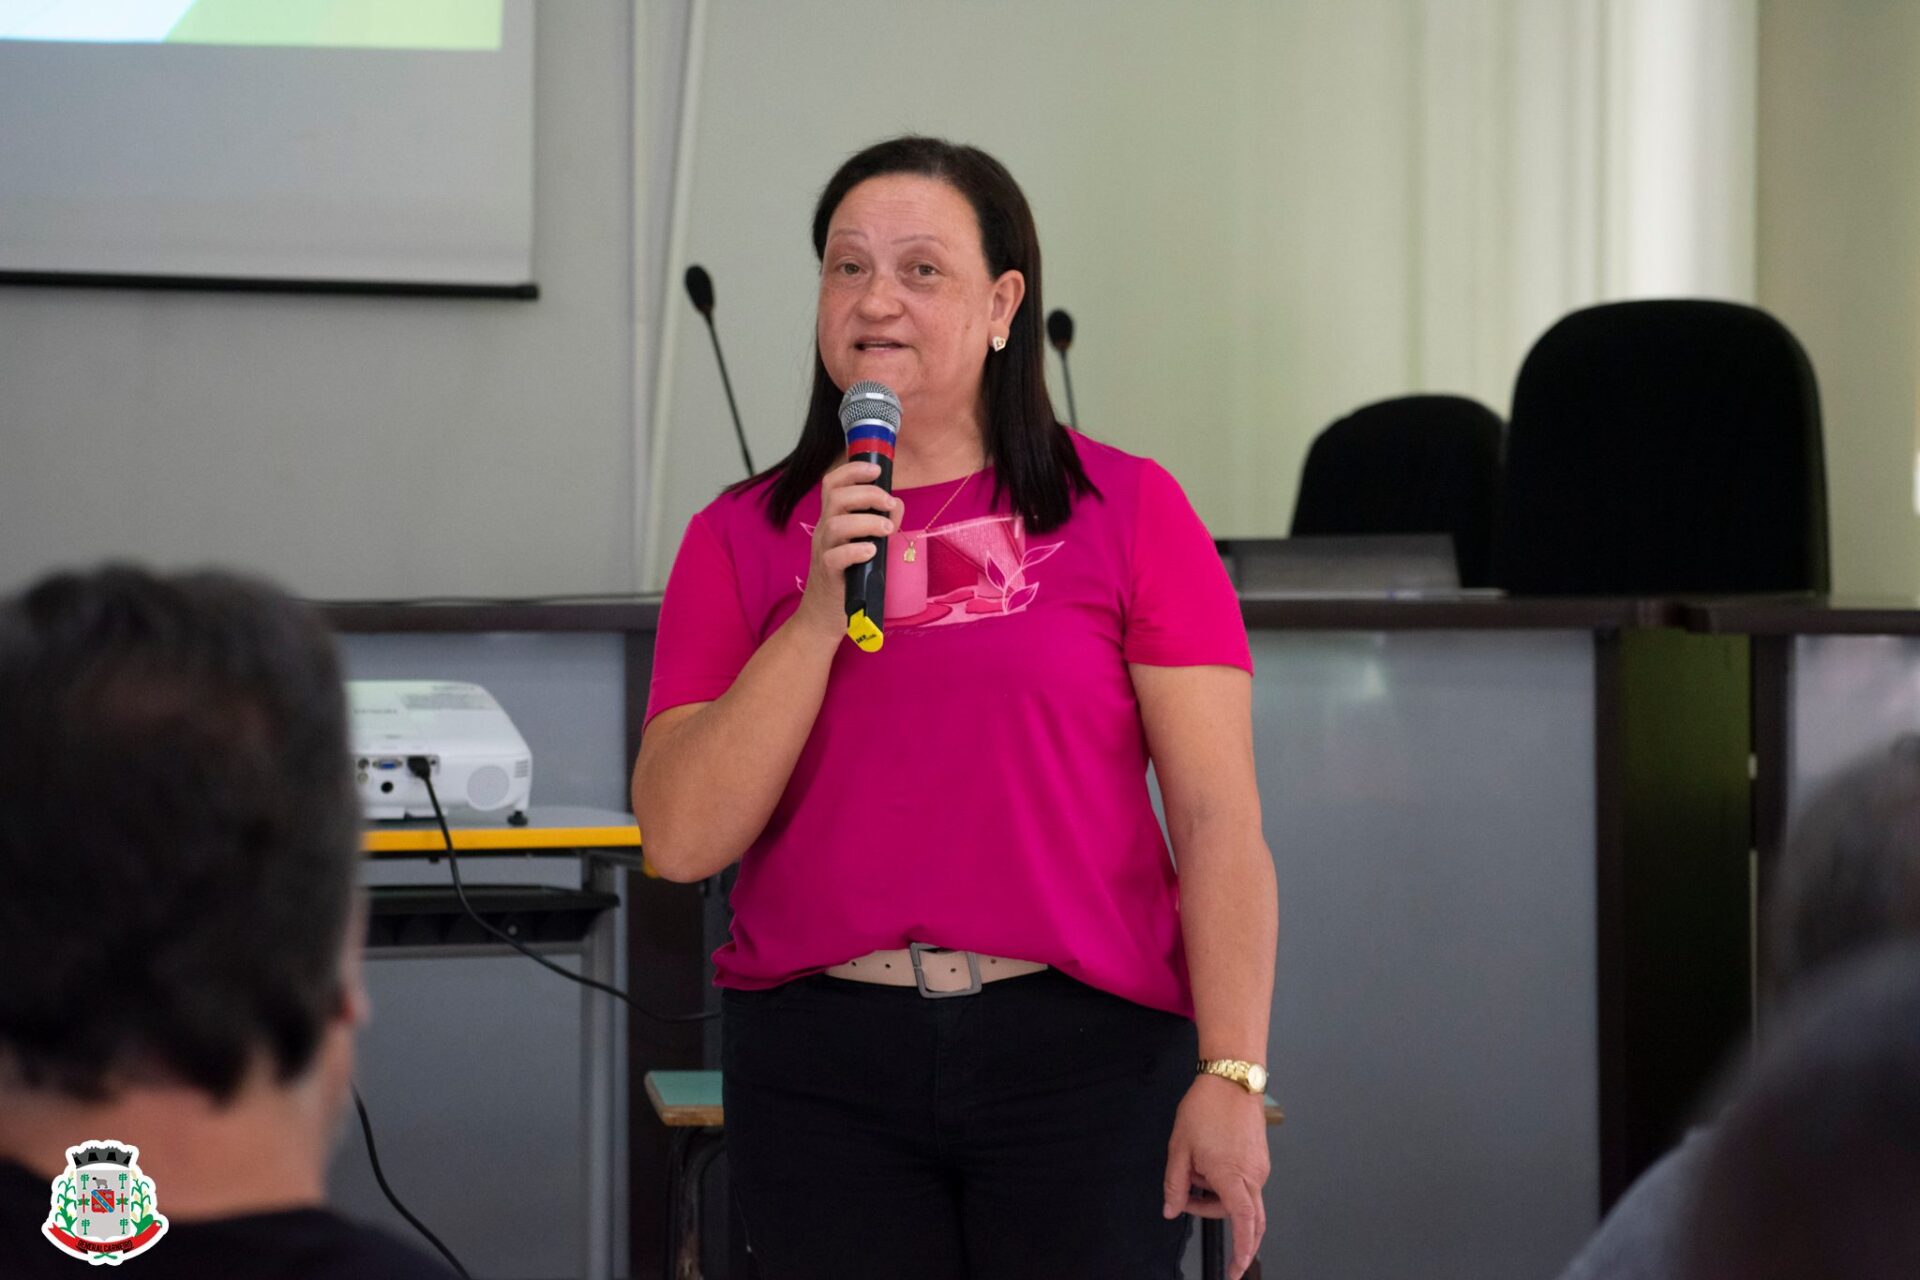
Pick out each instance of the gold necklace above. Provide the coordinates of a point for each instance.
(910, 555)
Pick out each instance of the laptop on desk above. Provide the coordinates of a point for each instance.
(1346, 566)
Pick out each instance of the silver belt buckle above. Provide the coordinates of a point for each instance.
(916, 949)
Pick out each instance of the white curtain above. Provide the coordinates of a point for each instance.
(1573, 152)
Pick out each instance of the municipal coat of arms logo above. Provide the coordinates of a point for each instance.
(103, 1210)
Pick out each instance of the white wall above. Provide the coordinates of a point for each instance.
(364, 447)
(1261, 215)
(1839, 234)
(1192, 179)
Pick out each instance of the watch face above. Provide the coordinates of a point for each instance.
(1257, 1078)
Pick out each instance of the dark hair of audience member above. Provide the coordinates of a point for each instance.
(178, 832)
(1852, 876)
(1814, 1169)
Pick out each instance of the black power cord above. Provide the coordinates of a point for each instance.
(421, 768)
(373, 1157)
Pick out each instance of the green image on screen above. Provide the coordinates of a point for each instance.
(450, 25)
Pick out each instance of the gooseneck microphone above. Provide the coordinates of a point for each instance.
(700, 293)
(1060, 334)
(870, 415)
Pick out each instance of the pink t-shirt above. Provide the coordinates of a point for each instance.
(980, 782)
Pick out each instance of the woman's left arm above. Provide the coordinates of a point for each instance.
(1199, 726)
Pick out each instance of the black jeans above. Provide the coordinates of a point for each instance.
(874, 1134)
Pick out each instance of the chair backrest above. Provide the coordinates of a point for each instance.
(1664, 446)
(1413, 464)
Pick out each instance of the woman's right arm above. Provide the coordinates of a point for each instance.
(710, 773)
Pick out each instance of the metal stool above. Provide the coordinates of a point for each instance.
(687, 1102)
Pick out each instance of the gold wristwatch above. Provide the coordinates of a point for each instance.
(1250, 1076)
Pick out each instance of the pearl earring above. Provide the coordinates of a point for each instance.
(999, 343)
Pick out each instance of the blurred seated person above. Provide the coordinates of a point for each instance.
(1813, 1170)
(179, 927)
(1849, 878)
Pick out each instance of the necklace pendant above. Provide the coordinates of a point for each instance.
(908, 555)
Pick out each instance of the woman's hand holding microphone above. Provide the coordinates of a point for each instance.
(849, 502)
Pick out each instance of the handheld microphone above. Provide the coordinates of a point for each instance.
(870, 415)
(1060, 334)
(700, 293)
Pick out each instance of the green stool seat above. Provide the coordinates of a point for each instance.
(683, 1098)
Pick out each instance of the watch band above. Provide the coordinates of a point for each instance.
(1250, 1076)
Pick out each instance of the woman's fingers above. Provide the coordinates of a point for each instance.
(1177, 1186)
(1243, 1206)
(850, 487)
(861, 497)
(847, 554)
(860, 524)
(1204, 1204)
(850, 473)
(851, 511)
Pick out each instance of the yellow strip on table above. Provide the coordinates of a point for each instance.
(429, 840)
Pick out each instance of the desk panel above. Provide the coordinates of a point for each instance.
(1429, 799)
(1429, 791)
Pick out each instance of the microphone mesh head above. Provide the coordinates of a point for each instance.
(1060, 329)
(870, 402)
(700, 288)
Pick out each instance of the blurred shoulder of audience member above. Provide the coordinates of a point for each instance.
(1814, 1168)
(1848, 879)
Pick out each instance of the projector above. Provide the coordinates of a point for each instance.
(478, 760)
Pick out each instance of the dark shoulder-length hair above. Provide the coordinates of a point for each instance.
(1033, 457)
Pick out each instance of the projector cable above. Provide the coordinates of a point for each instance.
(373, 1157)
(421, 768)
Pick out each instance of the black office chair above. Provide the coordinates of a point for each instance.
(1664, 446)
(1413, 464)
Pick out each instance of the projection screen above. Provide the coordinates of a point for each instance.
(344, 142)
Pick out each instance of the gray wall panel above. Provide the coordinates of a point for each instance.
(471, 1072)
(1429, 798)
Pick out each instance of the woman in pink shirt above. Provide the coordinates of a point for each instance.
(965, 812)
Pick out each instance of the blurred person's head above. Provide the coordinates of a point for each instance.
(178, 836)
(1814, 1167)
(1850, 874)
